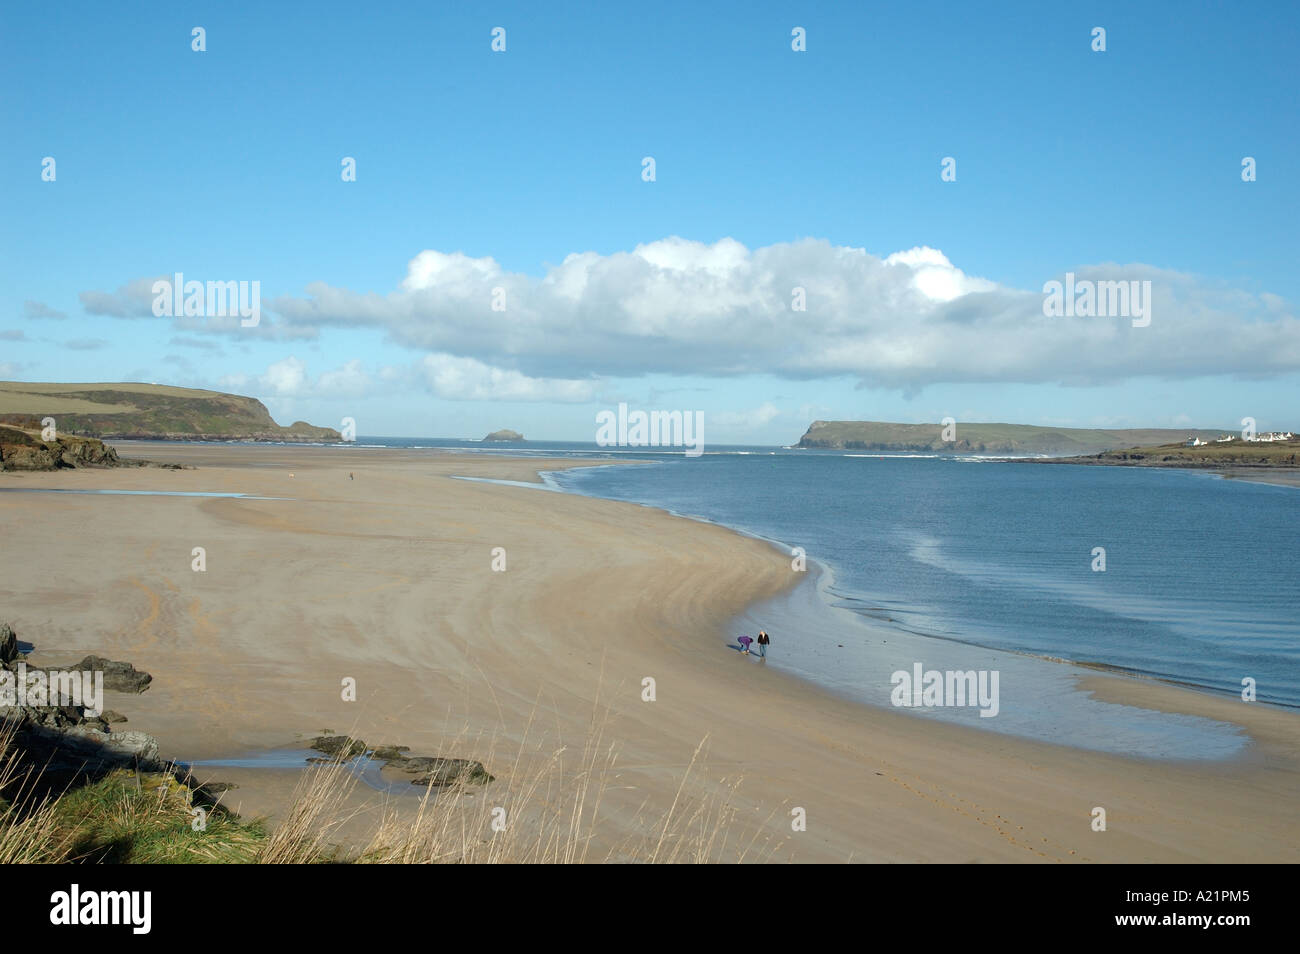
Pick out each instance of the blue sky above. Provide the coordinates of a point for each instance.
(479, 170)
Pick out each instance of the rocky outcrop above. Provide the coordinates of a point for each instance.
(21, 450)
(50, 749)
(339, 747)
(65, 744)
(60, 745)
(118, 676)
(8, 645)
(429, 770)
(504, 435)
(439, 772)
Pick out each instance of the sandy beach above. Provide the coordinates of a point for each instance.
(387, 578)
(1279, 476)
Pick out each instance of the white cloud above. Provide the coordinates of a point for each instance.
(905, 320)
(936, 277)
(457, 379)
(284, 378)
(742, 421)
(465, 379)
(351, 380)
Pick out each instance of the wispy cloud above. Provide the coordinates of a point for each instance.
(85, 344)
(467, 379)
(132, 300)
(39, 310)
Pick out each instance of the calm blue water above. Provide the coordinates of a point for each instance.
(1200, 586)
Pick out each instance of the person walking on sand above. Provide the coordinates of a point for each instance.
(744, 643)
(763, 642)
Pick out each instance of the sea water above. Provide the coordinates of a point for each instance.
(981, 565)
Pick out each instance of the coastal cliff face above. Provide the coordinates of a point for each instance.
(149, 412)
(20, 450)
(980, 438)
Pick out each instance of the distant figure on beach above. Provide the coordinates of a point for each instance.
(349, 475)
(744, 643)
(764, 641)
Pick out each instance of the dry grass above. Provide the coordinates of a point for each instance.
(28, 825)
(545, 808)
(550, 813)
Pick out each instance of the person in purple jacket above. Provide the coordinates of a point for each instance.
(744, 643)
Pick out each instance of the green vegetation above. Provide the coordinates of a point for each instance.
(991, 439)
(148, 819)
(148, 411)
(1237, 453)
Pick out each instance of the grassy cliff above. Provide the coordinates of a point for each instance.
(1236, 453)
(991, 439)
(148, 411)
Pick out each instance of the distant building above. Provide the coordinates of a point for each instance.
(1225, 438)
(1193, 442)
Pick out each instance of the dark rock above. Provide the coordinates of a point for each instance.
(123, 745)
(111, 717)
(118, 676)
(390, 753)
(22, 449)
(54, 752)
(446, 771)
(339, 747)
(8, 644)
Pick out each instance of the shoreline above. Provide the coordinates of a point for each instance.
(1085, 668)
(387, 578)
(540, 479)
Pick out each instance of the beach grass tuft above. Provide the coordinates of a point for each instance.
(547, 808)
